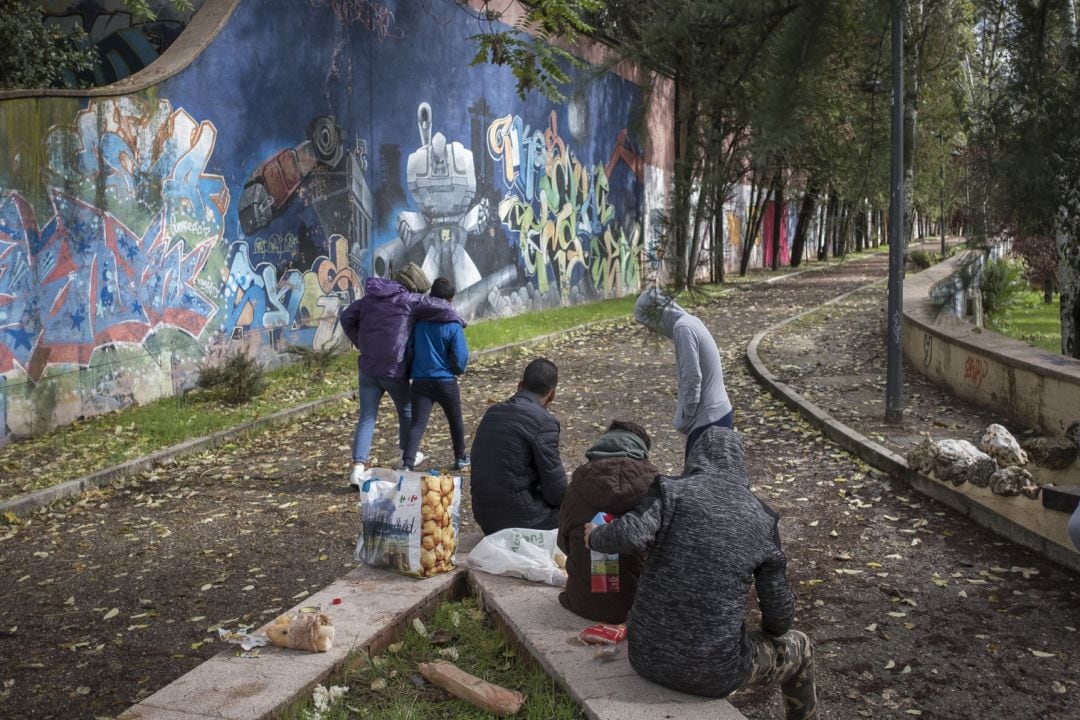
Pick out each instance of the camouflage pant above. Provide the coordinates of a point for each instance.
(788, 661)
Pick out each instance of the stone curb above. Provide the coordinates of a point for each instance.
(23, 505)
(886, 460)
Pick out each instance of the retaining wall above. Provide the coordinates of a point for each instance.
(1035, 387)
(236, 193)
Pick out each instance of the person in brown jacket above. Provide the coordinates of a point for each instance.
(615, 478)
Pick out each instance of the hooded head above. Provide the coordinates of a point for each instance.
(718, 452)
(413, 277)
(657, 311)
(622, 439)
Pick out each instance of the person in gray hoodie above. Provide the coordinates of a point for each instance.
(705, 538)
(702, 399)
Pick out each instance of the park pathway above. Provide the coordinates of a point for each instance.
(914, 610)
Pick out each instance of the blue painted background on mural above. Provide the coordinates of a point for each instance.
(313, 144)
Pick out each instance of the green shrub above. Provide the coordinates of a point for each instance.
(234, 381)
(1002, 282)
(314, 361)
(922, 259)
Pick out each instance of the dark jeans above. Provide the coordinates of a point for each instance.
(725, 421)
(425, 394)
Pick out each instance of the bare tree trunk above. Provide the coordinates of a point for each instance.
(806, 210)
(696, 240)
(830, 218)
(754, 213)
(842, 233)
(1069, 291)
(719, 243)
(778, 217)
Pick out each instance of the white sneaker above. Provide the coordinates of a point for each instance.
(359, 474)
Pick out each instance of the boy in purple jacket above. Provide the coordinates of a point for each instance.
(379, 325)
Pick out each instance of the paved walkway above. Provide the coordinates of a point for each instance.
(913, 608)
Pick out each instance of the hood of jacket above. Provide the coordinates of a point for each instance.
(618, 443)
(654, 309)
(719, 453)
(383, 287)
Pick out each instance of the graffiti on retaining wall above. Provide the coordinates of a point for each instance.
(90, 277)
(257, 297)
(141, 236)
(975, 370)
(560, 212)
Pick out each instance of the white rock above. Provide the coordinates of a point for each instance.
(999, 444)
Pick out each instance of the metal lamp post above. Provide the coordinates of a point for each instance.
(941, 143)
(894, 371)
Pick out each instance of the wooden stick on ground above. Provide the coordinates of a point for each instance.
(487, 696)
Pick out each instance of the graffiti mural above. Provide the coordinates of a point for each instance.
(560, 212)
(232, 207)
(85, 278)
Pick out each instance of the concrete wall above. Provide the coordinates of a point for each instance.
(1037, 388)
(240, 196)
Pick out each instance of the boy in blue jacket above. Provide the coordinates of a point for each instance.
(439, 354)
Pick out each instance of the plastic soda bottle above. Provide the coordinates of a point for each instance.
(605, 567)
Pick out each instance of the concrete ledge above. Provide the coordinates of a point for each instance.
(976, 508)
(376, 605)
(1038, 388)
(605, 690)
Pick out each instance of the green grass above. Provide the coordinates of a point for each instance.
(1030, 320)
(486, 334)
(390, 687)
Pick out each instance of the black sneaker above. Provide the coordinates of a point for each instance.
(462, 462)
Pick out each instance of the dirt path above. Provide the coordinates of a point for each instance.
(911, 606)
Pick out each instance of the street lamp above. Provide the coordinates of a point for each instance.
(941, 143)
(894, 359)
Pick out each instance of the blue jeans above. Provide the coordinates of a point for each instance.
(426, 394)
(371, 392)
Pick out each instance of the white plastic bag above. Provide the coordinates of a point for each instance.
(410, 521)
(520, 552)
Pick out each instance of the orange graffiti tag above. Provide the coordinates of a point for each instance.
(975, 369)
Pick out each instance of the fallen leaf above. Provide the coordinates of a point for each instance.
(111, 614)
(419, 627)
(890, 665)
(378, 684)
(1041, 654)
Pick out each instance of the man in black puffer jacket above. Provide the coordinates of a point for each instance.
(518, 478)
(708, 537)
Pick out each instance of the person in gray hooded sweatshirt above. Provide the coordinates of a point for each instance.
(702, 399)
(705, 538)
